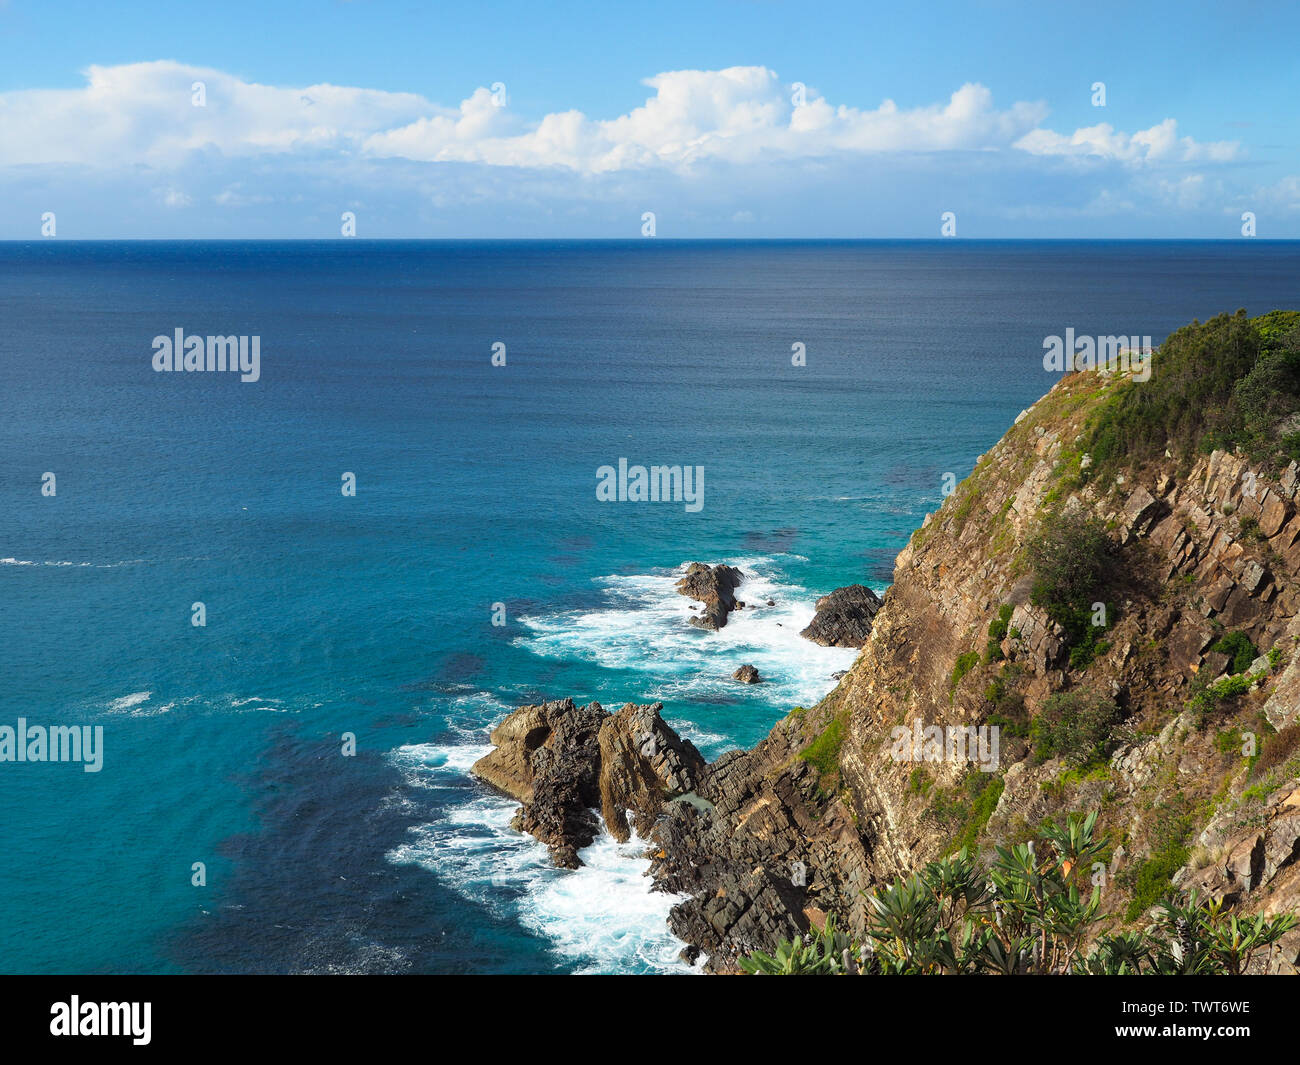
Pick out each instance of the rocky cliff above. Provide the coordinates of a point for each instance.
(1189, 648)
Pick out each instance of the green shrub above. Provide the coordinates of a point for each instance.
(997, 633)
(824, 751)
(1223, 383)
(1186, 399)
(1154, 877)
(1237, 646)
(998, 626)
(964, 664)
(986, 801)
(1077, 725)
(1008, 712)
(1090, 645)
(1031, 911)
(1208, 697)
(1073, 561)
(1228, 742)
(814, 954)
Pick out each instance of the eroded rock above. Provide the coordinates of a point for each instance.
(714, 586)
(563, 761)
(844, 617)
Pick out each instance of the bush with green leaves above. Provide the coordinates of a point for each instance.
(1189, 937)
(997, 633)
(824, 953)
(1208, 696)
(1033, 911)
(1228, 382)
(1238, 648)
(1077, 725)
(964, 664)
(1073, 562)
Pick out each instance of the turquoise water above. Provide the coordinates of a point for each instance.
(372, 614)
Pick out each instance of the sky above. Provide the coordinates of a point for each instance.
(727, 119)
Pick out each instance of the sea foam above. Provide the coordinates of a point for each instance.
(645, 628)
(602, 918)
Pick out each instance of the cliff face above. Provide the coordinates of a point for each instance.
(1198, 781)
(1207, 550)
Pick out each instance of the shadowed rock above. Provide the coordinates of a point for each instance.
(844, 617)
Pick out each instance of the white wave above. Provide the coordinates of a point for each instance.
(604, 914)
(432, 765)
(603, 917)
(140, 704)
(646, 628)
(129, 702)
(473, 715)
(96, 565)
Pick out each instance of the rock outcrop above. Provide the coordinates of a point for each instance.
(563, 761)
(844, 617)
(548, 757)
(764, 843)
(714, 586)
(747, 675)
(763, 854)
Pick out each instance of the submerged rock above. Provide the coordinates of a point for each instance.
(844, 617)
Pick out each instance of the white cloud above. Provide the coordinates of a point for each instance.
(142, 114)
(1284, 195)
(737, 115)
(1159, 144)
(170, 197)
(1185, 193)
(288, 159)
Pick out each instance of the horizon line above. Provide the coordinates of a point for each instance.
(652, 240)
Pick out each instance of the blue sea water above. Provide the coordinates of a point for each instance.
(329, 614)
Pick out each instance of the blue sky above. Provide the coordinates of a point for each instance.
(691, 111)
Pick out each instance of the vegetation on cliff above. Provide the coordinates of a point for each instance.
(1117, 579)
(1074, 562)
(1230, 382)
(1035, 910)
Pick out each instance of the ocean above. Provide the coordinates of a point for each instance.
(371, 615)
